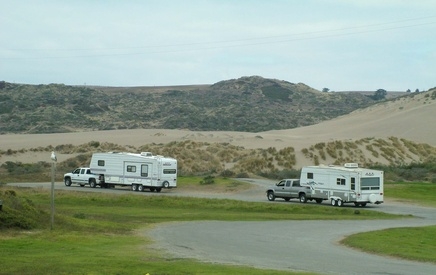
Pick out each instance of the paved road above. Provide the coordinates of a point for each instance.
(286, 245)
(310, 246)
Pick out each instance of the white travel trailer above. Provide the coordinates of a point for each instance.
(139, 171)
(347, 184)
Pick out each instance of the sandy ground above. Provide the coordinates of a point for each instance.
(410, 118)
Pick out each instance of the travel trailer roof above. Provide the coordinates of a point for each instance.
(347, 167)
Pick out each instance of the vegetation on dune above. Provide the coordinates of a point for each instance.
(402, 160)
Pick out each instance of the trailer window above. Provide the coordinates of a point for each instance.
(340, 181)
(169, 171)
(353, 183)
(131, 168)
(310, 175)
(370, 183)
(144, 170)
(100, 162)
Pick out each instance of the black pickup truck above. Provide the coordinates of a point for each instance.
(290, 189)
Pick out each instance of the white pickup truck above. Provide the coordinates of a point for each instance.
(81, 176)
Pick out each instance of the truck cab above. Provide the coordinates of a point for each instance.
(289, 189)
(81, 176)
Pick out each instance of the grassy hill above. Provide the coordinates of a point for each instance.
(248, 104)
(394, 133)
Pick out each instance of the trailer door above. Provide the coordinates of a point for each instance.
(146, 169)
(355, 188)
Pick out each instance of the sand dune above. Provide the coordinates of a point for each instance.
(413, 119)
(410, 118)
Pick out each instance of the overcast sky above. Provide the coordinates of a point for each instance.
(336, 44)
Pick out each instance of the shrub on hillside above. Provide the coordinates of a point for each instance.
(208, 180)
(18, 212)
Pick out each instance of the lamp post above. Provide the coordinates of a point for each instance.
(53, 169)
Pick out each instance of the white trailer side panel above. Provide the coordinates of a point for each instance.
(354, 184)
(135, 169)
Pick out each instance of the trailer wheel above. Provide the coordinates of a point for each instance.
(134, 187)
(166, 184)
(303, 198)
(271, 196)
(339, 203)
(67, 182)
(333, 202)
(140, 188)
(92, 183)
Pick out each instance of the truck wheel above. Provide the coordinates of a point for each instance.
(67, 182)
(140, 188)
(166, 184)
(339, 203)
(134, 187)
(333, 202)
(318, 200)
(92, 183)
(271, 196)
(303, 198)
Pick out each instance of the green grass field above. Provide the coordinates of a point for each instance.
(417, 243)
(413, 192)
(96, 233)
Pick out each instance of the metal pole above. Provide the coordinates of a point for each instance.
(53, 164)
